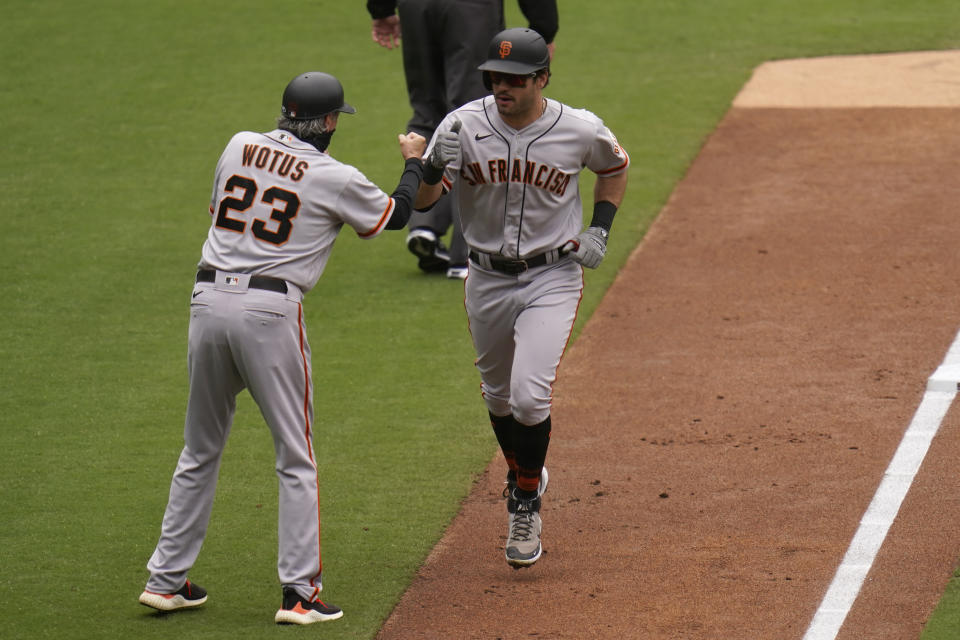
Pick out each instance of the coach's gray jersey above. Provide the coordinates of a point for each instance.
(519, 191)
(278, 204)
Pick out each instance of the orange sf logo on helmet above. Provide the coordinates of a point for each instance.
(505, 48)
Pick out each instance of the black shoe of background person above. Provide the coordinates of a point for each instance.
(432, 255)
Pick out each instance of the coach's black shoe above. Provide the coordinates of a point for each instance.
(189, 595)
(297, 610)
(432, 255)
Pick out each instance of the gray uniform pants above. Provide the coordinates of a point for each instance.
(520, 326)
(251, 339)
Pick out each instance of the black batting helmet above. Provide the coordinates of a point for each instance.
(518, 51)
(312, 95)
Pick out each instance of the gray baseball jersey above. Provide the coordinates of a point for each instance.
(519, 197)
(519, 190)
(277, 206)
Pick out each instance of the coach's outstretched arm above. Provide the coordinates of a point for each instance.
(412, 147)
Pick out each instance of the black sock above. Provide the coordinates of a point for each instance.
(531, 444)
(503, 428)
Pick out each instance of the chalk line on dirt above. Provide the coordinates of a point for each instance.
(848, 580)
(915, 79)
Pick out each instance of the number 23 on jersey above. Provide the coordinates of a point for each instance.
(285, 206)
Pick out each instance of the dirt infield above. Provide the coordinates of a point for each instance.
(725, 417)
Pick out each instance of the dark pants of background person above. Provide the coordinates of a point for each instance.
(444, 41)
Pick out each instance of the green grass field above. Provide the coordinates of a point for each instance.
(113, 115)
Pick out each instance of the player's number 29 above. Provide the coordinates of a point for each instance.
(289, 207)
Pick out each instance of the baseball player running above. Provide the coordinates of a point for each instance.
(279, 201)
(520, 155)
(444, 41)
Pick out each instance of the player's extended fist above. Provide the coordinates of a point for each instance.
(589, 247)
(446, 148)
(412, 145)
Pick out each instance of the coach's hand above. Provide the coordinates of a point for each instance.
(446, 149)
(588, 248)
(412, 145)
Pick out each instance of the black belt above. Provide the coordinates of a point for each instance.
(256, 282)
(512, 267)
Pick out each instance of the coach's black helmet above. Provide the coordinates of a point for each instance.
(312, 95)
(518, 51)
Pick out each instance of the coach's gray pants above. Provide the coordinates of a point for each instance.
(250, 339)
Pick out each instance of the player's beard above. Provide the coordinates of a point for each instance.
(521, 106)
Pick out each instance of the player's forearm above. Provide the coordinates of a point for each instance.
(610, 188)
(607, 196)
(428, 195)
(405, 193)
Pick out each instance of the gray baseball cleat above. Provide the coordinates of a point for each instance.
(523, 547)
(523, 538)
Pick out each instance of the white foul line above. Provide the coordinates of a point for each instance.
(941, 389)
